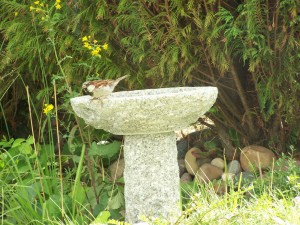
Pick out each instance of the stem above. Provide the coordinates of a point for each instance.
(52, 39)
(34, 145)
(5, 121)
(242, 96)
(59, 155)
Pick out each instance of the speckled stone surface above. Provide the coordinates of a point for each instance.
(151, 176)
(146, 111)
(148, 119)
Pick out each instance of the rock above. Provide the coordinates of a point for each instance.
(228, 177)
(182, 148)
(186, 178)
(117, 169)
(190, 160)
(254, 157)
(181, 165)
(218, 162)
(247, 178)
(220, 187)
(201, 161)
(234, 167)
(208, 172)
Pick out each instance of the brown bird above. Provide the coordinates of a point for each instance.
(99, 89)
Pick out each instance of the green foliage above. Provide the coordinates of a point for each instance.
(30, 184)
(105, 151)
(248, 50)
(282, 181)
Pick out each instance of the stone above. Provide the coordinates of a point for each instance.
(186, 178)
(254, 157)
(181, 165)
(247, 178)
(208, 172)
(154, 161)
(117, 169)
(182, 148)
(148, 120)
(218, 162)
(220, 187)
(201, 161)
(234, 167)
(190, 160)
(146, 111)
(228, 177)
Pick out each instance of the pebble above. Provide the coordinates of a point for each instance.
(234, 167)
(247, 177)
(218, 162)
(182, 148)
(202, 161)
(117, 168)
(208, 172)
(254, 157)
(228, 177)
(181, 165)
(220, 187)
(186, 178)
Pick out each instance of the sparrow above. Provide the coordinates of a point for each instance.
(99, 89)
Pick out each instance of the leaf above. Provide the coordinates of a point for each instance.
(53, 206)
(117, 201)
(30, 140)
(18, 142)
(102, 204)
(79, 196)
(102, 218)
(6, 144)
(26, 148)
(106, 151)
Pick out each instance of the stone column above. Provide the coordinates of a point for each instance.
(148, 119)
(152, 158)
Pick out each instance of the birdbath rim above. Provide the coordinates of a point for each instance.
(146, 111)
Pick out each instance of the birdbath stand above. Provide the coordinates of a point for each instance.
(148, 119)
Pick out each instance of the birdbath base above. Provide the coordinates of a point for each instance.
(151, 177)
(148, 119)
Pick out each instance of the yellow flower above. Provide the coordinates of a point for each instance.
(37, 10)
(86, 45)
(16, 13)
(43, 18)
(84, 38)
(58, 6)
(37, 2)
(95, 52)
(57, 1)
(31, 8)
(105, 46)
(98, 48)
(95, 41)
(48, 108)
(42, 4)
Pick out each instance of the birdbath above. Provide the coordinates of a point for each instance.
(148, 119)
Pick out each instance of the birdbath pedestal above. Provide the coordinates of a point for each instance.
(148, 119)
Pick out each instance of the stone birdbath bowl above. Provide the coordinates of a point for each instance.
(148, 119)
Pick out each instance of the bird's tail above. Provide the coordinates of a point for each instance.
(121, 78)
